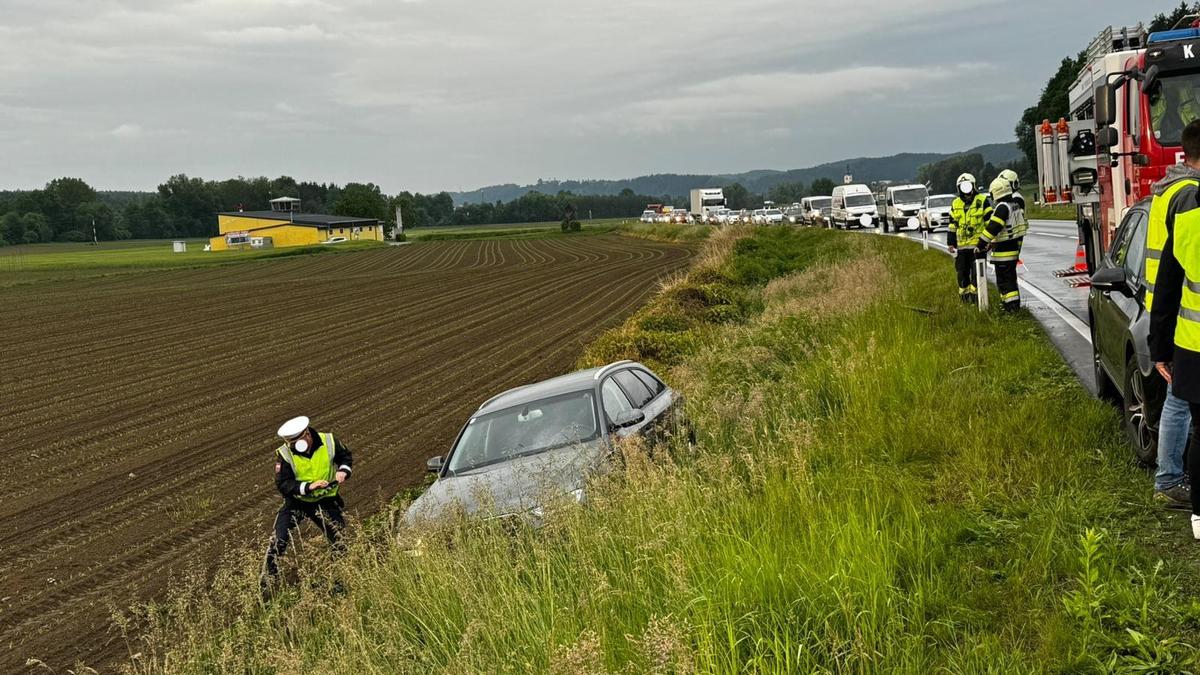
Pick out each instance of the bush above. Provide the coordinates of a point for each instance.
(72, 235)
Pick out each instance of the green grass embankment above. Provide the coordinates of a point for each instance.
(884, 481)
(1051, 212)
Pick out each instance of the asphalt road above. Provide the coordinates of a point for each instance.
(1060, 307)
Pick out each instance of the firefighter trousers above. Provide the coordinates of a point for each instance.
(964, 265)
(1005, 256)
(326, 514)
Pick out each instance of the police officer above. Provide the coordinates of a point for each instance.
(967, 215)
(309, 469)
(1003, 234)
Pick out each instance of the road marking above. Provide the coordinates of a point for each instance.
(1055, 306)
(1047, 234)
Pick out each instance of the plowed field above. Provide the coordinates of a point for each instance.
(137, 411)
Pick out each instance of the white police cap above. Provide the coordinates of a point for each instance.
(293, 427)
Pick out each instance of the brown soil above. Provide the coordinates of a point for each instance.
(138, 411)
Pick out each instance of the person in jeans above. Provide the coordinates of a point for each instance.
(1171, 486)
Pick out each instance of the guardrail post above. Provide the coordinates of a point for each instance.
(925, 239)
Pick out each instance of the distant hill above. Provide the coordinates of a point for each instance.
(866, 169)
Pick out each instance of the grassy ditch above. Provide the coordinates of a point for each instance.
(1050, 211)
(883, 481)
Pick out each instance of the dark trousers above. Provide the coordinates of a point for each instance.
(1005, 256)
(964, 265)
(326, 514)
(1193, 453)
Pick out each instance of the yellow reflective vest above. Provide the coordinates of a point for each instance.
(1187, 251)
(967, 219)
(317, 467)
(1157, 232)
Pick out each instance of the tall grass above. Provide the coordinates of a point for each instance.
(883, 481)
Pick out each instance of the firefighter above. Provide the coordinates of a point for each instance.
(1174, 336)
(1003, 234)
(966, 222)
(1175, 193)
(310, 467)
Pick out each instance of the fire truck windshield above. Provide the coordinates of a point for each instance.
(1176, 103)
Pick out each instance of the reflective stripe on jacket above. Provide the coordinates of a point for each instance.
(1008, 224)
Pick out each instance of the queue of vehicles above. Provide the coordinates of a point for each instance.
(850, 206)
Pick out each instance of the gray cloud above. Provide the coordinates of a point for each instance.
(443, 94)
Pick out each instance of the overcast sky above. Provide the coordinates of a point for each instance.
(427, 95)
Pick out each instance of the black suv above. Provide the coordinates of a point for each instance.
(1120, 325)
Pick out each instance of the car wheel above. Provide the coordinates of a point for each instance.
(1142, 435)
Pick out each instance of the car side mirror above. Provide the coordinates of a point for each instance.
(434, 464)
(1111, 279)
(1141, 160)
(628, 418)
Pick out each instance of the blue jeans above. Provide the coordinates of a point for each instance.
(1173, 428)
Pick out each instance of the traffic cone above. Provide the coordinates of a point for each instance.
(1080, 259)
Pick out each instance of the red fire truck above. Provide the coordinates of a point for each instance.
(1128, 109)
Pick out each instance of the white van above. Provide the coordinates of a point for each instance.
(903, 204)
(815, 210)
(853, 206)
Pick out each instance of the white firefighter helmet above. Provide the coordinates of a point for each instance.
(1005, 184)
(966, 183)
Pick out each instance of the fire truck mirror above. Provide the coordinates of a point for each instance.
(1106, 105)
(1141, 160)
(1150, 80)
(1106, 137)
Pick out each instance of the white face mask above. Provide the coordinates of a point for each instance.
(966, 188)
(301, 445)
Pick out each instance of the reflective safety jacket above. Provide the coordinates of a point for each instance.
(1007, 221)
(967, 219)
(1168, 201)
(317, 466)
(1187, 251)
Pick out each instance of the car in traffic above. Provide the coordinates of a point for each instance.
(936, 212)
(531, 445)
(853, 206)
(902, 206)
(816, 209)
(756, 216)
(794, 214)
(1120, 325)
(771, 217)
(649, 216)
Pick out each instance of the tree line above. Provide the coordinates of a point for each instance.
(68, 209)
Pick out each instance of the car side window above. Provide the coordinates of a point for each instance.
(614, 400)
(652, 383)
(1120, 245)
(639, 394)
(1134, 262)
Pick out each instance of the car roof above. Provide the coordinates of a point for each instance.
(563, 384)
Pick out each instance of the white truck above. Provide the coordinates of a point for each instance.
(705, 200)
(903, 204)
(853, 206)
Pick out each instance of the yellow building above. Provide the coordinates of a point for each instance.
(282, 226)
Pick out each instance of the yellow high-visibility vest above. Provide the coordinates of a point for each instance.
(1156, 234)
(317, 467)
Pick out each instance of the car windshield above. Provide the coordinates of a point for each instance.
(909, 196)
(527, 429)
(1173, 106)
(940, 202)
(774, 212)
(859, 200)
(822, 203)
